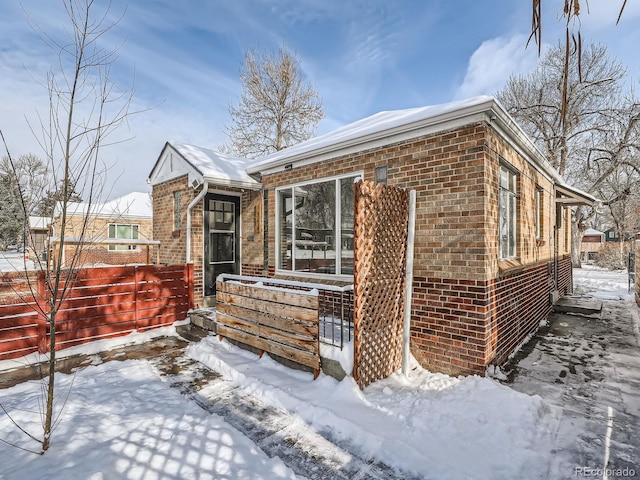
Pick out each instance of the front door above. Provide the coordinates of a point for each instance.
(221, 240)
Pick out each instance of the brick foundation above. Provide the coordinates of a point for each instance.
(461, 326)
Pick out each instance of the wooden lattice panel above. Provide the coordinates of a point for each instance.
(381, 220)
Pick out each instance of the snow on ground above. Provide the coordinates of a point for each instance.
(14, 262)
(602, 284)
(431, 425)
(122, 421)
(134, 338)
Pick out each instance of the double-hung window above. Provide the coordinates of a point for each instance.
(508, 213)
(315, 226)
(120, 231)
(539, 213)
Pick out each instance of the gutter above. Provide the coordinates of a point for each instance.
(194, 202)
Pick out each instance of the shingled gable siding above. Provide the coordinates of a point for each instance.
(456, 245)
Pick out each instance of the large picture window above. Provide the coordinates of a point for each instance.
(315, 226)
(507, 205)
(127, 231)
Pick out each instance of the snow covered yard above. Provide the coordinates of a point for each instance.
(589, 367)
(122, 420)
(15, 262)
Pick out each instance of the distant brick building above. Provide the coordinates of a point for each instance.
(592, 242)
(492, 240)
(111, 233)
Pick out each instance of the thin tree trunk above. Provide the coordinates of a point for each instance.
(46, 439)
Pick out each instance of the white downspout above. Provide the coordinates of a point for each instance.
(193, 203)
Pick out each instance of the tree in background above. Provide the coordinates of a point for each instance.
(85, 108)
(277, 108)
(587, 135)
(55, 196)
(572, 49)
(11, 215)
(21, 185)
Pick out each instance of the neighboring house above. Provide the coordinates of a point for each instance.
(492, 239)
(611, 235)
(592, 242)
(39, 232)
(117, 232)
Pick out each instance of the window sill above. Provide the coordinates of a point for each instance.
(311, 277)
(509, 266)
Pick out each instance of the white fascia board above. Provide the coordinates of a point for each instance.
(530, 152)
(445, 122)
(218, 182)
(507, 126)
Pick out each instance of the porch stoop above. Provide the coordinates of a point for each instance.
(202, 322)
(204, 318)
(578, 306)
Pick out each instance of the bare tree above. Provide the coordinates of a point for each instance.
(572, 41)
(85, 108)
(535, 101)
(277, 108)
(599, 129)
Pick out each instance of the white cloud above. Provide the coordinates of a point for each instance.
(599, 14)
(493, 61)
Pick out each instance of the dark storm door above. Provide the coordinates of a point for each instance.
(221, 238)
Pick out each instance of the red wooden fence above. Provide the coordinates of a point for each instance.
(101, 303)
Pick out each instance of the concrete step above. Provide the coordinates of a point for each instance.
(204, 318)
(578, 305)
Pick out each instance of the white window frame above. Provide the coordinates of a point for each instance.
(539, 196)
(512, 193)
(114, 248)
(338, 232)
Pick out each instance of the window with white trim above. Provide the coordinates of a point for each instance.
(315, 226)
(128, 231)
(177, 210)
(507, 208)
(539, 213)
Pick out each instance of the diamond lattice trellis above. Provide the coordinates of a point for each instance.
(381, 220)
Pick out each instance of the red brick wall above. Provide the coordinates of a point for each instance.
(448, 331)
(102, 255)
(173, 244)
(519, 302)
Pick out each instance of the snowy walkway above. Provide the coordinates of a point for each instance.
(589, 366)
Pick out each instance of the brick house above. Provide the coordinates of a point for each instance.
(117, 232)
(592, 242)
(492, 239)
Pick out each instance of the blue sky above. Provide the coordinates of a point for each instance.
(362, 56)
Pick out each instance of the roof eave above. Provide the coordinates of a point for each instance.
(469, 111)
(574, 197)
(227, 182)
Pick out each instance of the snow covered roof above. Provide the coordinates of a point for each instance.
(593, 231)
(132, 205)
(202, 164)
(383, 124)
(400, 125)
(39, 223)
